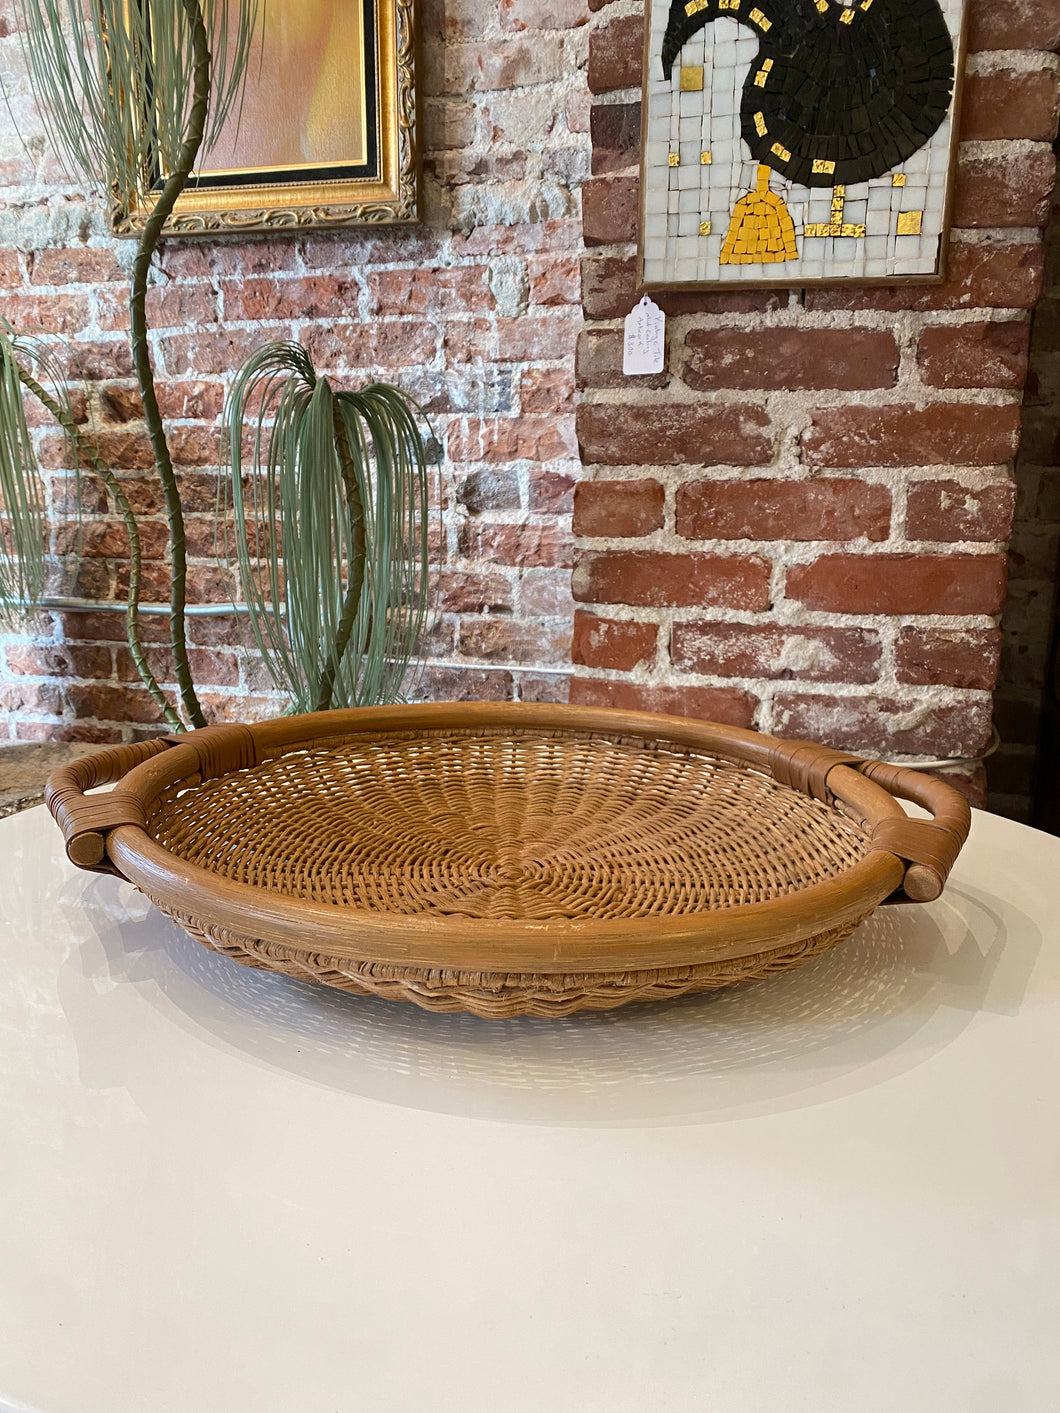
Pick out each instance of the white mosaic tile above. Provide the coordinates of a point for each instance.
(879, 199)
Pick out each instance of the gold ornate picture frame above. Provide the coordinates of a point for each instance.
(326, 133)
(807, 143)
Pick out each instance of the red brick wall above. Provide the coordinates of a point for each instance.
(801, 524)
(476, 313)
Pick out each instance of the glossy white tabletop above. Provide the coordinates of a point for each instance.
(834, 1192)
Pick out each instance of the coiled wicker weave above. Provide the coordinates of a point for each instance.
(508, 859)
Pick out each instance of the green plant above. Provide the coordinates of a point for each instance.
(335, 478)
(132, 93)
(28, 365)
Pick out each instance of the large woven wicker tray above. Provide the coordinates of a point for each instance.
(508, 859)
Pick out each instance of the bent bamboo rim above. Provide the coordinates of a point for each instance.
(899, 849)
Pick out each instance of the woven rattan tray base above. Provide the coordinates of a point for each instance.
(507, 860)
(498, 995)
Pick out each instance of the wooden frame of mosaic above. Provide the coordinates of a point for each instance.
(813, 143)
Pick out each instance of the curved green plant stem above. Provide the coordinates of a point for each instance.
(86, 450)
(355, 577)
(148, 244)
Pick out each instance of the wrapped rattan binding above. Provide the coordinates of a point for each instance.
(508, 859)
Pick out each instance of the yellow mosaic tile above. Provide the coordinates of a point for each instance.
(909, 222)
(822, 5)
(704, 228)
(761, 230)
(836, 226)
(692, 78)
(847, 17)
(695, 7)
(865, 4)
(820, 164)
(898, 179)
(757, 18)
(705, 159)
(674, 159)
(818, 229)
(760, 124)
(728, 4)
(781, 152)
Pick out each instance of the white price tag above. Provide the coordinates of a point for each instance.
(644, 350)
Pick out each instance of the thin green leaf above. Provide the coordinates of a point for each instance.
(325, 525)
(41, 360)
(22, 512)
(112, 79)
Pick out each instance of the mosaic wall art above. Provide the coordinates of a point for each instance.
(796, 141)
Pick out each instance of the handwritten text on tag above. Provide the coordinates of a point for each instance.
(644, 350)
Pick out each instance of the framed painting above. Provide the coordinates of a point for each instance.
(326, 133)
(797, 142)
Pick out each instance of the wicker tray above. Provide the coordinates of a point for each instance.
(508, 859)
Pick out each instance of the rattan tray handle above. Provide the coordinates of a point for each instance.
(87, 819)
(928, 847)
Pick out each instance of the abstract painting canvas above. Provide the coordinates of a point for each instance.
(797, 143)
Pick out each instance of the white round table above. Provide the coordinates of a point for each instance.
(223, 1191)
